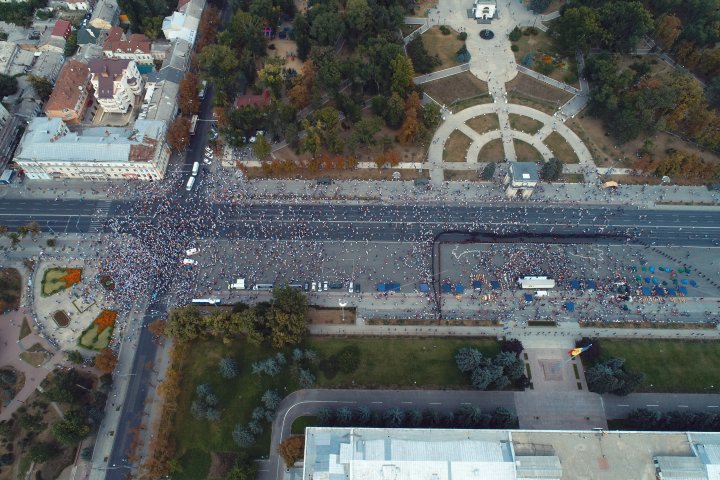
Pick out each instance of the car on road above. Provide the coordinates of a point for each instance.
(325, 285)
(306, 286)
(189, 261)
(195, 168)
(313, 287)
(207, 161)
(208, 150)
(190, 184)
(192, 251)
(351, 287)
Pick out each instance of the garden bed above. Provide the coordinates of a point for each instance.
(97, 336)
(107, 282)
(36, 355)
(57, 279)
(61, 319)
(456, 147)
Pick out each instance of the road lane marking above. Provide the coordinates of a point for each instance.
(435, 403)
(713, 406)
(375, 402)
(623, 405)
(407, 403)
(652, 405)
(682, 406)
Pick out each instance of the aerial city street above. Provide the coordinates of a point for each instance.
(297, 240)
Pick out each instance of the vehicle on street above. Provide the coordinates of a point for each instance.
(238, 285)
(190, 184)
(196, 168)
(306, 286)
(203, 90)
(191, 251)
(335, 286)
(193, 124)
(313, 287)
(207, 161)
(388, 287)
(263, 286)
(189, 261)
(325, 285)
(206, 301)
(7, 176)
(351, 287)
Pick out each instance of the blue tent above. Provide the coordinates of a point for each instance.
(528, 298)
(655, 281)
(459, 288)
(693, 283)
(682, 290)
(659, 291)
(671, 292)
(646, 291)
(570, 306)
(684, 281)
(495, 284)
(647, 279)
(591, 285)
(477, 284)
(424, 287)
(652, 269)
(575, 284)
(446, 288)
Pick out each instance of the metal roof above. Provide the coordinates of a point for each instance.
(524, 172)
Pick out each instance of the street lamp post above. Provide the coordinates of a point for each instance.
(342, 304)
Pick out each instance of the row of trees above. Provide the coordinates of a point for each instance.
(467, 416)
(611, 376)
(677, 421)
(280, 322)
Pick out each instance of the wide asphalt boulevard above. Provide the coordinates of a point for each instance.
(396, 223)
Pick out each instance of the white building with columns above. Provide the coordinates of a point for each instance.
(117, 83)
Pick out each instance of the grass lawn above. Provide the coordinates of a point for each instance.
(10, 288)
(572, 178)
(492, 151)
(384, 362)
(301, 423)
(444, 46)
(51, 282)
(524, 124)
(561, 149)
(455, 88)
(670, 365)
(459, 176)
(195, 465)
(526, 152)
(484, 123)
(94, 341)
(24, 329)
(456, 147)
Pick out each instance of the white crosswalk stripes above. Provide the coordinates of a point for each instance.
(101, 213)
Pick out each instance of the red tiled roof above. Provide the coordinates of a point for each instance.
(61, 29)
(69, 86)
(137, 41)
(262, 100)
(182, 3)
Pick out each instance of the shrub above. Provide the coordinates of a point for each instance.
(444, 30)
(50, 242)
(515, 35)
(488, 172)
(551, 170)
(462, 36)
(514, 48)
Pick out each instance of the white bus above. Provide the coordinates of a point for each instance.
(193, 124)
(203, 89)
(196, 168)
(206, 301)
(191, 182)
(263, 286)
(535, 283)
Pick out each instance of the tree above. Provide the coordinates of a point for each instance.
(287, 317)
(348, 359)
(578, 29)
(185, 323)
(344, 416)
(105, 361)
(629, 23)
(551, 170)
(431, 116)
(358, 15)
(42, 86)
(71, 429)
(401, 76)
(469, 416)
(483, 377)
(188, 100)
(410, 129)
(422, 61)
(228, 367)
(512, 365)
(394, 111)
(272, 75)
(219, 64)
(245, 32)
(71, 44)
(271, 399)
(362, 415)
(610, 376)
(292, 449)
(157, 327)
(261, 148)
(8, 85)
(178, 135)
(244, 469)
(243, 436)
(43, 451)
(305, 378)
(667, 31)
(393, 417)
(326, 25)
(75, 357)
(488, 172)
(468, 359)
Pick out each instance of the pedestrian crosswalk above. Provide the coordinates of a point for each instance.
(102, 209)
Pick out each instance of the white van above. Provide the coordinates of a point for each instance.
(196, 168)
(351, 287)
(190, 184)
(541, 293)
(238, 285)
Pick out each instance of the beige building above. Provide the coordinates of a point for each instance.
(72, 95)
(137, 47)
(521, 180)
(50, 149)
(117, 84)
(105, 15)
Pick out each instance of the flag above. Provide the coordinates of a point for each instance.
(577, 351)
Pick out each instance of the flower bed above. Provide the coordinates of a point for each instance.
(107, 282)
(97, 336)
(61, 319)
(57, 279)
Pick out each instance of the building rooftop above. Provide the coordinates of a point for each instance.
(262, 100)
(107, 71)
(48, 139)
(69, 86)
(88, 35)
(105, 10)
(47, 65)
(61, 28)
(8, 50)
(116, 42)
(160, 101)
(524, 172)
